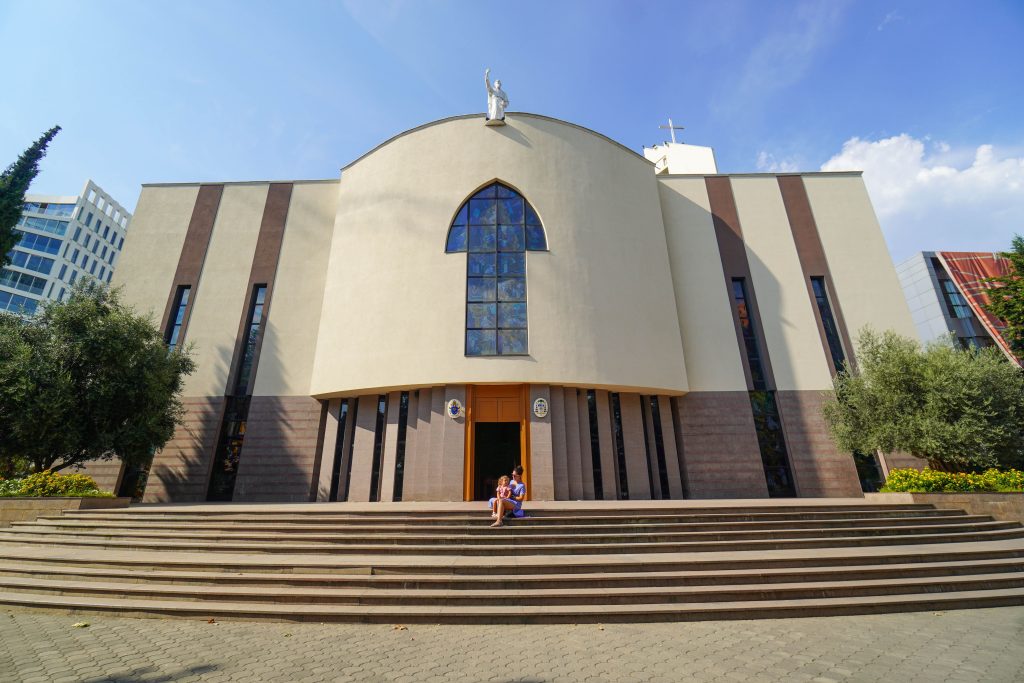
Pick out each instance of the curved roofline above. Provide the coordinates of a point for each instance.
(514, 114)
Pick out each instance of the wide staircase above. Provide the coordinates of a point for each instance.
(593, 563)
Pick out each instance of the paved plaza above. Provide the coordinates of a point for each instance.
(965, 645)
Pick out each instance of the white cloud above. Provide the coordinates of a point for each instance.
(889, 18)
(935, 196)
(782, 57)
(768, 163)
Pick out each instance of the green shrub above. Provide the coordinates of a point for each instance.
(934, 481)
(9, 487)
(49, 484)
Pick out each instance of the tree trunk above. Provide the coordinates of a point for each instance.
(938, 465)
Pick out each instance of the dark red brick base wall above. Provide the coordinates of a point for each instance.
(106, 473)
(900, 460)
(720, 457)
(281, 452)
(181, 471)
(820, 469)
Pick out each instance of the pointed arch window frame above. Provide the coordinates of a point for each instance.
(495, 227)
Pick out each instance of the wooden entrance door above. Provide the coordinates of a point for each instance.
(495, 403)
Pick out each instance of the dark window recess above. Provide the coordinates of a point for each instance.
(647, 450)
(659, 447)
(620, 447)
(177, 316)
(403, 422)
(772, 444)
(835, 347)
(354, 412)
(868, 471)
(378, 447)
(133, 482)
(595, 445)
(767, 423)
(252, 335)
(339, 449)
(236, 411)
(741, 301)
(229, 449)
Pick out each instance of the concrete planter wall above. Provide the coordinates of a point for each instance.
(27, 509)
(1001, 506)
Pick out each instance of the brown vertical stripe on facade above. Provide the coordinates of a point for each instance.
(193, 252)
(729, 235)
(264, 268)
(812, 259)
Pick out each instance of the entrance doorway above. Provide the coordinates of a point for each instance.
(497, 436)
(497, 452)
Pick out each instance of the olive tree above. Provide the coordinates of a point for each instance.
(958, 409)
(87, 379)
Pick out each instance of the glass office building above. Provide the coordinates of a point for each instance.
(62, 239)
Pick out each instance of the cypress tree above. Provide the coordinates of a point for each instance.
(14, 182)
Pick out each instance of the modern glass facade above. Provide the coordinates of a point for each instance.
(59, 240)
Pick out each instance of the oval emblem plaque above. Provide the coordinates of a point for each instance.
(454, 408)
(540, 407)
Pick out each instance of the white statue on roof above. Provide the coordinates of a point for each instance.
(497, 100)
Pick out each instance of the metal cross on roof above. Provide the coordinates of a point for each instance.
(672, 130)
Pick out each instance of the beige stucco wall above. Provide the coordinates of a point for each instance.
(146, 266)
(601, 305)
(289, 341)
(865, 279)
(790, 329)
(713, 361)
(221, 295)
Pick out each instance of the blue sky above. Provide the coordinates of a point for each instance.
(926, 97)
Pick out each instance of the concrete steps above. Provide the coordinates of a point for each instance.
(613, 562)
(409, 614)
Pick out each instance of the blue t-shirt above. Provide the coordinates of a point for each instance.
(517, 491)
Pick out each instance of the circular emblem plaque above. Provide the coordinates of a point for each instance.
(540, 407)
(454, 408)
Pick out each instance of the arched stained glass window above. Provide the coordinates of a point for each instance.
(496, 226)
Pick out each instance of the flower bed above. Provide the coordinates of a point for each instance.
(934, 481)
(49, 484)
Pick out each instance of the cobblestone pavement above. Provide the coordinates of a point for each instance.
(967, 645)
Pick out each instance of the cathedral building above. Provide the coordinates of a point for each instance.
(465, 298)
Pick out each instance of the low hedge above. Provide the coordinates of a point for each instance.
(934, 481)
(49, 484)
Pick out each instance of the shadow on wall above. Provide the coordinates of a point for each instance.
(180, 472)
(280, 447)
(817, 467)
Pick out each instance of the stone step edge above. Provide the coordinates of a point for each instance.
(228, 518)
(404, 614)
(521, 548)
(232, 593)
(809, 574)
(542, 509)
(481, 525)
(508, 531)
(432, 564)
(339, 536)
